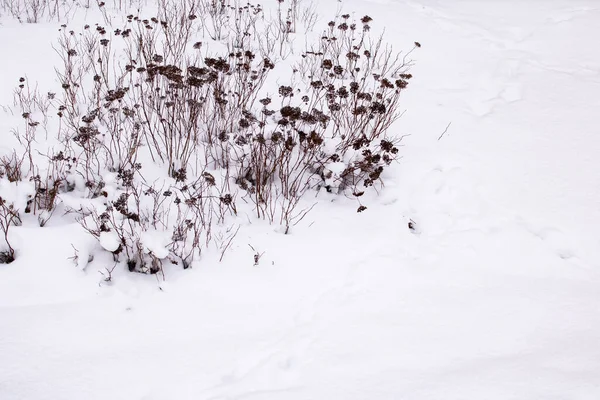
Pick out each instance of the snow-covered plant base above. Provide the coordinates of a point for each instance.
(473, 274)
(165, 121)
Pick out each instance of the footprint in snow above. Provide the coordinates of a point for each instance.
(554, 238)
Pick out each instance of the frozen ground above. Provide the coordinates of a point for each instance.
(496, 296)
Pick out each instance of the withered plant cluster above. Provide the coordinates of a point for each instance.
(38, 11)
(164, 126)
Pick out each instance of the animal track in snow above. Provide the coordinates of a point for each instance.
(571, 14)
(554, 238)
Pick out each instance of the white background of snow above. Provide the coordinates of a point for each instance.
(498, 297)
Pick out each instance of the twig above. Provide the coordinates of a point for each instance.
(229, 244)
(445, 130)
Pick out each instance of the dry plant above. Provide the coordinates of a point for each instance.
(9, 216)
(36, 11)
(150, 91)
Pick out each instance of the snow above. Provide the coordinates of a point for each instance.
(156, 242)
(496, 297)
(109, 241)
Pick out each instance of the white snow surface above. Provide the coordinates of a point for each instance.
(109, 241)
(496, 297)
